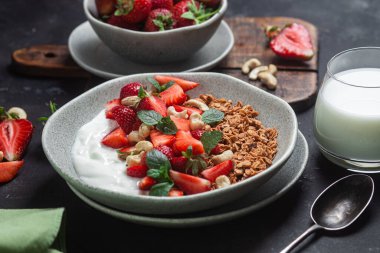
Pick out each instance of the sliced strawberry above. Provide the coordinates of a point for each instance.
(137, 171)
(126, 151)
(174, 95)
(190, 110)
(8, 170)
(15, 136)
(185, 84)
(153, 103)
(197, 134)
(166, 151)
(125, 117)
(190, 184)
(184, 140)
(175, 193)
(146, 183)
(110, 105)
(181, 124)
(160, 139)
(223, 168)
(179, 163)
(216, 150)
(143, 158)
(116, 139)
(130, 89)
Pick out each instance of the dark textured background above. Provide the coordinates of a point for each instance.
(342, 24)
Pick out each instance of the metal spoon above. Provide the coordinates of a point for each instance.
(339, 205)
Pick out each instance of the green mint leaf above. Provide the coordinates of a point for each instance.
(167, 126)
(149, 117)
(212, 116)
(161, 189)
(155, 84)
(188, 15)
(210, 140)
(156, 160)
(154, 173)
(142, 93)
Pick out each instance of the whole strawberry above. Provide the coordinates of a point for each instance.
(105, 7)
(159, 20)
(120, 22)
(133, 11)
(191, 12)
(130, 89)
(165, 4)
(125, 117)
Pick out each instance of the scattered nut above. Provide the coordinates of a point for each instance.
(1, 156)
(272, 69)
(250, 64)
(144, 146)
(226, 155)
(18, 111)
(196, 103)
(196, 121)
(144, 130)
(254, 73)
(133, 160)
(268, 79)
(131, 101)
(173, 112)
(222, 181)
(134, 137)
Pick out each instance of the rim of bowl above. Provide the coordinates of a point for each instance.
(200, 196)
(90, 16)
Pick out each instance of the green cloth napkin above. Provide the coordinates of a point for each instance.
(32, 231)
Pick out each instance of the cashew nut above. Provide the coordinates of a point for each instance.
(173, 112)
(134, 137)
(254, 73)
(250, 64)
(1, 156)
(196, 121)
(143, 146)
(272, 69)
(131, 101)
(144, 130)
(268, 79)
(226, 155)
(222, 181)
(18, 111)
(196, 103)
(133, 160)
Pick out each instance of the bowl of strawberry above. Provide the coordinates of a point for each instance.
(162, 144)
(155, 31)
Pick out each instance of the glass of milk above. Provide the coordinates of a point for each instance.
(347, 111)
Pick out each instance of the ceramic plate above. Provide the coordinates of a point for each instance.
(267, 193)
(94, 56)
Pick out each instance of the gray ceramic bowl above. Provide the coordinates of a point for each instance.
(154, 47)
(60, 131)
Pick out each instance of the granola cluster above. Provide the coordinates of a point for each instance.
(253, 145)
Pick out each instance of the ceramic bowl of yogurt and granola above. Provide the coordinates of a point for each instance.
(170, 143)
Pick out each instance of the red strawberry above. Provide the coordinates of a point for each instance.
(165, 4)
(181, 124)
(125, 117)
(211, 3)
(175, 193)
(126, 151)
(190, 110)
(197, 134)
(153, 103)
(174, 95)
(130, 89)
(223, 168)
(216, 150)
(133, 11)
(120, 22)
(8, 170)
(293, 42)
(15, 136)
(137, 171)
(182, 7)
(159, 20)
(190, 184)
(146, 183)
(105, 7)
(137, 124)
(166, 151)
(185, 84)
(111, 104)
(179, 163)
(160, 139)
(143, 158)
(116, 139)
(184, 140)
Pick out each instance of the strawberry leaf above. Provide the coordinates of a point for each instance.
(188, 15)
(212, 116)
(149, 117)
(167, 126)
(210, 140)
(161, 189)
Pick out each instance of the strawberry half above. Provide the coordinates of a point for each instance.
(15, 136)
(185, 84)
(146, 183)
(116, 139)
(293, 42)
(181, 124)
(166, 151)
(184, 140)
(223, 168)
(197, 134)
(173, 95)
(159, 20)
(190, 110)
(175, 193)
(133, 11)
(8, 170)
(190, 184)
(137, 171)
(111, 104)
(130, 89)
(125, 117)
(153, 103)
(160, 139)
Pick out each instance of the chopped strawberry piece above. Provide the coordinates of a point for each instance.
(111, 104)
(146, 183)
(216, 150)
(116, 139)
(179, 163)
(15, 136)
(184, 140)
(197, 134)
(8, 170)
(173, 95)
(175, 193)
(160, 139)
(181, 124)
(190, 110)
(143, 158)
(223, 168)
(125, 117)
(185, 84)
(190, 184)
(126, 151)
(130, 89)
(166, 151)
(153, 103)
(137, 171)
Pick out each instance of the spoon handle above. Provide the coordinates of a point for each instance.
(300, 238)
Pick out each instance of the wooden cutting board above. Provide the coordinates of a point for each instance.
(297, 81)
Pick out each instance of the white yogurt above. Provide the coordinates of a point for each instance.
(98, 165)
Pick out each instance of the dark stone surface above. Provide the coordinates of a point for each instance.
(342, 24)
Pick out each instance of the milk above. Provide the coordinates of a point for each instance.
(347, 118)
